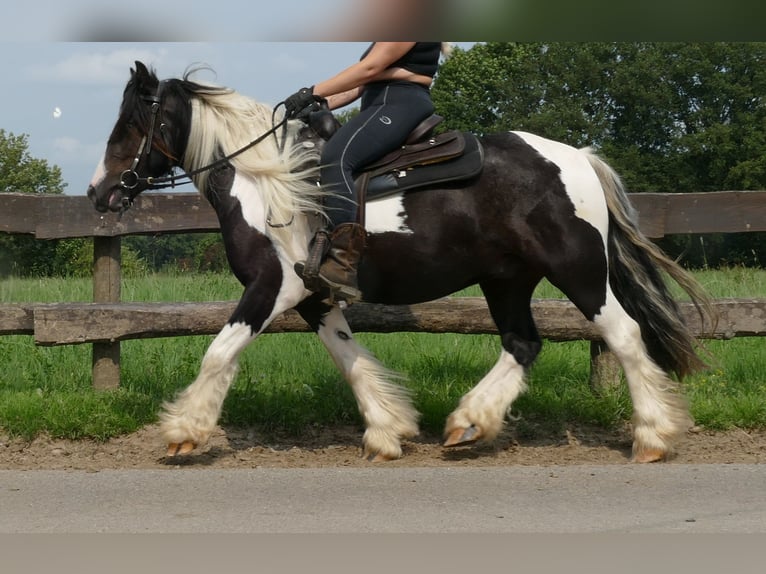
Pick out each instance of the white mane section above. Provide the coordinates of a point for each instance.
(223, 121)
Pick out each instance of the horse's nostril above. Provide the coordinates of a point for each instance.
(91, 193)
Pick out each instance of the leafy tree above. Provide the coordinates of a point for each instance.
(21, 173)
(185, 251)
(27, 256)
(672, 117)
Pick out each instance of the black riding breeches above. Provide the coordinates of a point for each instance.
(389, 113)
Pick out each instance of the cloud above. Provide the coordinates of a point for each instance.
(66, 145)
(94, 68)
(72, 150)
(286, 62)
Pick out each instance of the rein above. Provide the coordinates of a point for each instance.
(162, 182)
(129, 179)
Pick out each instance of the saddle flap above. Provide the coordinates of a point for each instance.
(469, 164)
(439, 148)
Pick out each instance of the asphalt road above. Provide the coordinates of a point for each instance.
(663, 498)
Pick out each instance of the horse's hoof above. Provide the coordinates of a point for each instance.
(378, 457)
(460, 436)
(179, 449)
(649, 455)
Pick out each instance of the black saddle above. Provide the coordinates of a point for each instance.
(424, 160)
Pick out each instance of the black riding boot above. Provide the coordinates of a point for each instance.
(337, 274)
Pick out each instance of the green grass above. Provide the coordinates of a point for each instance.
(287, 382)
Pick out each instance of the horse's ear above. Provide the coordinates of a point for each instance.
(141, 71)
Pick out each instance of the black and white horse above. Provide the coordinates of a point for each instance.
(539, 209)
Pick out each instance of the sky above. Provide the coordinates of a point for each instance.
(62, 72)
(84, 81)
(64, 64)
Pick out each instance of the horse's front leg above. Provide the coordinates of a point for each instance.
(190, 419)
(384, 405)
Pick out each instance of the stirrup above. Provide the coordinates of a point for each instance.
(339, 292)
(309, 270)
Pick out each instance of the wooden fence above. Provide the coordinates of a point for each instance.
(107, 321)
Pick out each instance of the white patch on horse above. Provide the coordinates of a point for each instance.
(245, 190)
(578, 177)
(99, 174)
(387, 214)
(291, 292)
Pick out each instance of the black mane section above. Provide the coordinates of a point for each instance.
(135, 111)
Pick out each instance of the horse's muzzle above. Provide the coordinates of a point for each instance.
(102, 203)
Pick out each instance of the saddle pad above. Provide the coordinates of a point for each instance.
(466, 166)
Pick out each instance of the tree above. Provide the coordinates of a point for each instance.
(672, 117)
(21, 173)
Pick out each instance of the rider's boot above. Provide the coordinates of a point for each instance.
(338, 272)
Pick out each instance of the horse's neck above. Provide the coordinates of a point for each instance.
(240, 206)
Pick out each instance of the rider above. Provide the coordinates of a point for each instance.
(393, 80)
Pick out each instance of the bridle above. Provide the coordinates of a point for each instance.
(130, 179)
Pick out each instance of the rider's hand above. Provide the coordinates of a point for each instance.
(299, 101)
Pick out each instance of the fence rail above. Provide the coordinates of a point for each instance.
(557, 320)
(107, 320)
(64, 216)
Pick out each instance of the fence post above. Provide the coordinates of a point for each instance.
(605, 369)
(106, 289)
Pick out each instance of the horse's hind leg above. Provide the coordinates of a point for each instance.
(482, 411)
(660, 411)
(385, 406)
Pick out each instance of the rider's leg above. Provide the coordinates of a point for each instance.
(389, 113)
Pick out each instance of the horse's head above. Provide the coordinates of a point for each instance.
(147, 141)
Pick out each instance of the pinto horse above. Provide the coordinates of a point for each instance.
(538, 209)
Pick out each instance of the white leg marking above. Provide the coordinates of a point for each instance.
(486, 405)
(660, 412)
(194, 413)
(385, 406)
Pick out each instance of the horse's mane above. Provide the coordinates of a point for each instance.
(223, 121)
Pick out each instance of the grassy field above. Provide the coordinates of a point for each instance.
(288, 382)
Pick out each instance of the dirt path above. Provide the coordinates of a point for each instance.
(237, 448)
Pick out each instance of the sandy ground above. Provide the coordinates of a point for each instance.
(339, 447)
